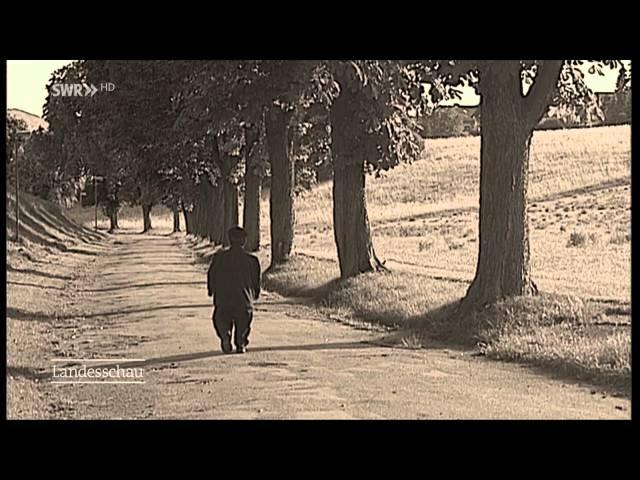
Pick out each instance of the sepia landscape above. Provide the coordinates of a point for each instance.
(421, 258)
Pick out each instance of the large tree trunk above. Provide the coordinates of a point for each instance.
(252, 187)
(508, 120)
(216, 199)
(282, 180)
(146, 217)
(350, 220)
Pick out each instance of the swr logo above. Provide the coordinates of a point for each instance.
(78, 89)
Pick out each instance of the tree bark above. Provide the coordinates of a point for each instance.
(252, 188)
(146, 217)
(281, 208)
(350, 219)
(508, 119)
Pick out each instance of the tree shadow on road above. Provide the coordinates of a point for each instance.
(37, 272)
(143, 285)
(33, 374)
(44, 287)
(173, 359)
(19, 314)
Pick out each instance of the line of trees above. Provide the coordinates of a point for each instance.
(196, 135)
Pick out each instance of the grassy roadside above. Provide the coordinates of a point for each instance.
(45, 272)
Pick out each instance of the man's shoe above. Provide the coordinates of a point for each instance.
(241, 349)
(226, 346)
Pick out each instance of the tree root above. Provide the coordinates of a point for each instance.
(380, 265)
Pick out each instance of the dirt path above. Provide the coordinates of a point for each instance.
(148, 301)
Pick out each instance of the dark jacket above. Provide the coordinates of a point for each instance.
(234, 279)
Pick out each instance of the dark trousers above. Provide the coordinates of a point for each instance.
(226, 318)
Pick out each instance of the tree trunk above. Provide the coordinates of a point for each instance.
(229, 194)
(350, 219)
(503, 267)
(146, 217)
(187, 219)
(251, 211)
(215, 200)
(207, 211)
(230, 210)
(199, 214)
(113, 221)
(195, 215)
(111, 209)
(176, 220)
(281, 208)
(215, 219)
(252, 188)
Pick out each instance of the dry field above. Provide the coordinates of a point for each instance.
(425, 215)
(43, 271)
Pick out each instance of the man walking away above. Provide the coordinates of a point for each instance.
(234, 282)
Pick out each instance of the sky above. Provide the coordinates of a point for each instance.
(27, 80)
(597, 83)
(27, 83)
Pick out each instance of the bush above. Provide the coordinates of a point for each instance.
(425, 245)
(620, 238)
(550, 123)
(578, 239)
(446, 122)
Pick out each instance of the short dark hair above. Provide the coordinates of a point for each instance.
(237, 236)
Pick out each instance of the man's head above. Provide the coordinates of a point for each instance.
(237, 236)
